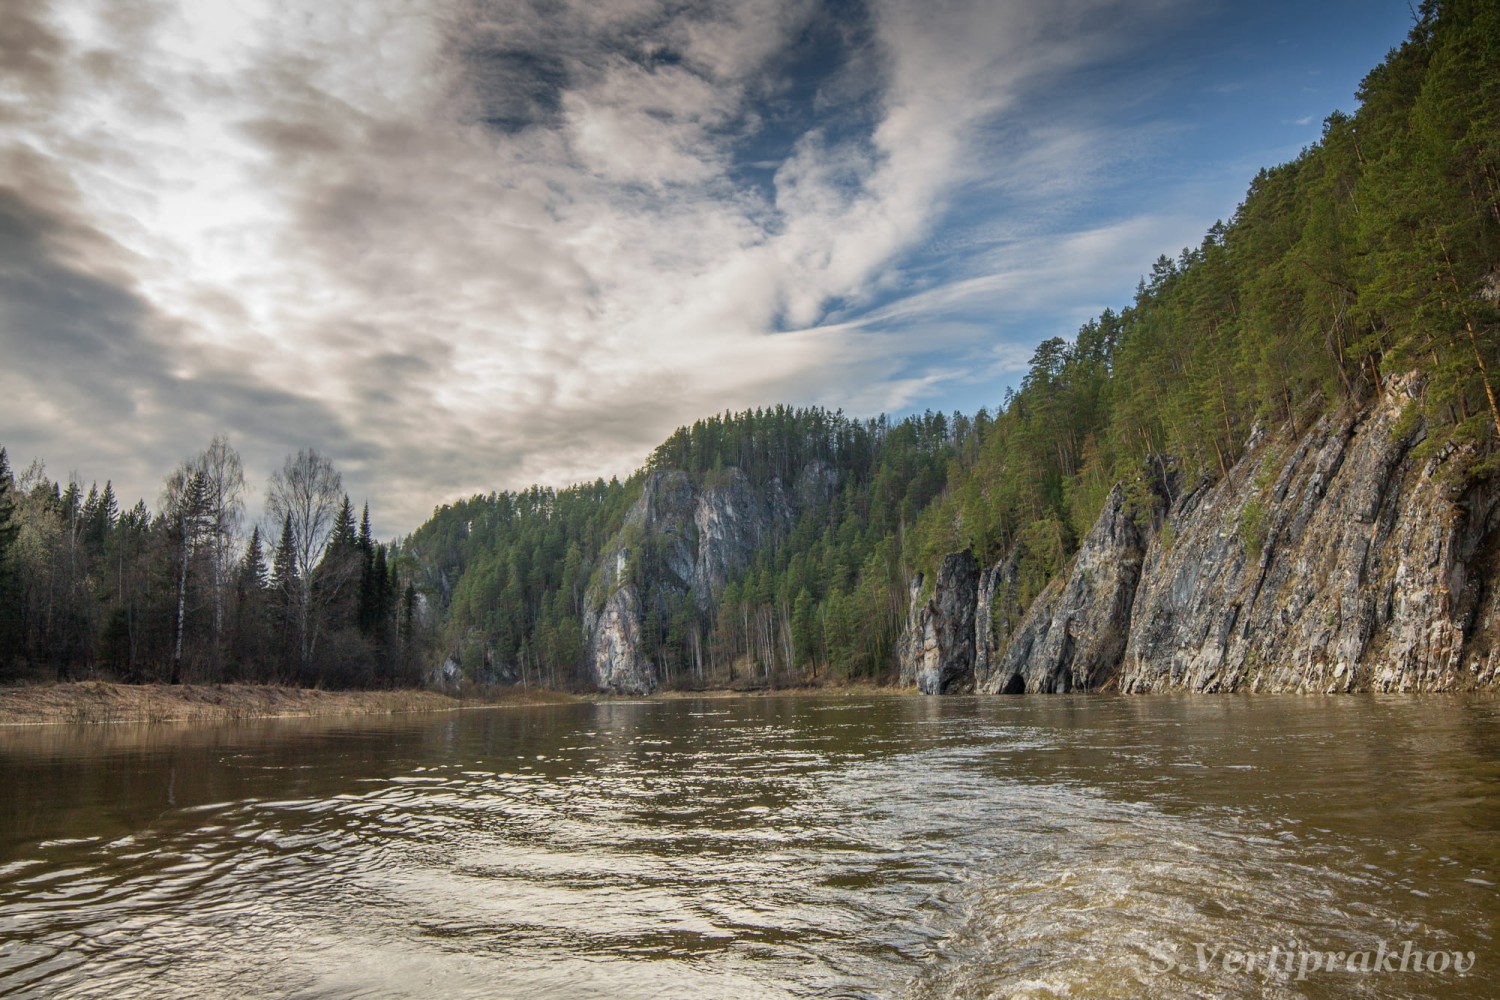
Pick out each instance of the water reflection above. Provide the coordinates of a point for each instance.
(762, 847)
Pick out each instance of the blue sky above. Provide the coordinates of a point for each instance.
(461, 245)
(1189, 116)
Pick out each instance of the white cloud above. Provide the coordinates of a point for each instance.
(478, 245)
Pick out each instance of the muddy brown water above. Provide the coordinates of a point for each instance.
(798, 846)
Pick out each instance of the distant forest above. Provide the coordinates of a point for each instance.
(1370, 259)
(88, 590)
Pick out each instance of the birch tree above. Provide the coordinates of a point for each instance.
(185, 505)
(224, 509)
(305, 493)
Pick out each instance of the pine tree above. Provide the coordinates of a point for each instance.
(250, 617)
(805, 631)
(408, 625)
(286, 591)
(370, 582)
(103, 516)
(284, 561)
(340, 571)
(380, 608)
(366, 541)
(253, 572)
(344, 536)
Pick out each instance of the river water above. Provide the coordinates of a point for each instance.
(799, 846)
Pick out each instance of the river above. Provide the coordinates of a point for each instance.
(764, 847)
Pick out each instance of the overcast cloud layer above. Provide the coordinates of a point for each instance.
(460, 245)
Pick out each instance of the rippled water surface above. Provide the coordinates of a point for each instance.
(796, 846)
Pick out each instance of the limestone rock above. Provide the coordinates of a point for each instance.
(1329, 562)
(683, 536)
(1327, 559)
(937, 649)
(1073, 636)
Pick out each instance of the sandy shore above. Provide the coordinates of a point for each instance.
(99, 701)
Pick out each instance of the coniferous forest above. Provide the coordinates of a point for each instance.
(1372, 258)
(95, 590)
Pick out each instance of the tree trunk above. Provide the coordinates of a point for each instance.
(181, 607)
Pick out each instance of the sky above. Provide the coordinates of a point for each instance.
(466, 245)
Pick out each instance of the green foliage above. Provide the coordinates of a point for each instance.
(10, 530)
(517, 570)
(1370, 257)
(523, 570)
(89, 591)
(1252, 527)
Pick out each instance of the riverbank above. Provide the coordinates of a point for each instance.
(89, 702)
(104, 702)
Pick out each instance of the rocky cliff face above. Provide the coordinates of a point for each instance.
(1330, 562)
(1073, 636)
(997, 615)
(683, 537)
(937, 648)
(614, 643)
(1326, 560)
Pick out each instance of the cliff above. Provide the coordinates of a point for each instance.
(1327, 559)
(1073, 635)
(684, 539)
(937, 648)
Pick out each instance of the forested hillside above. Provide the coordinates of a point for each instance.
(1371, 255)
(515, 570)
(1372, 258)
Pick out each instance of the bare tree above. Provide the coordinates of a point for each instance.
(223, 497)
(307, 490)
(204, 500)
(184, 503)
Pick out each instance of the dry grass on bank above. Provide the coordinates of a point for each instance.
(99, 701)
(87, 702)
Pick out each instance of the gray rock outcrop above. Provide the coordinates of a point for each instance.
(997, 614)
(1073, 636)
(1330, 559)
(937, 648)
(683, 537)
